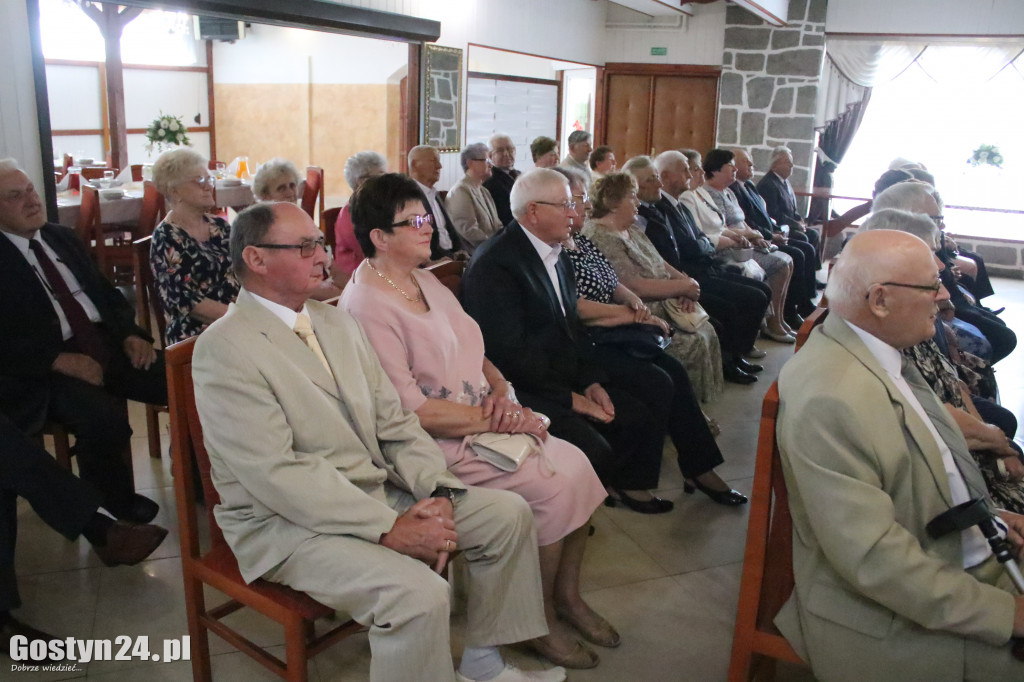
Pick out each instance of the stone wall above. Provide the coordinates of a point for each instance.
(769, 85)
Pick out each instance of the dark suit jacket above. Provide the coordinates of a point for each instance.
(508, 292)
(779, 198)
(500, 186)
(30, 335)
(436, 251)
(755, 212)
(696, 252)
(661, 233)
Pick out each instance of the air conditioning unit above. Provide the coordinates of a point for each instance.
(216, 28)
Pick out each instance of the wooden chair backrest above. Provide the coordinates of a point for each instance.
(92, 173)
(187, 446)
(68, 162)
(88, 214)
(810, 322)
(148, 306)
(136, 169)
(450, 274)
(327, 220)
(152, 211)
(314, 190)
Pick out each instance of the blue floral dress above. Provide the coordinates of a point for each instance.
(188, 271)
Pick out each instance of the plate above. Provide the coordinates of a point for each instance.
(84, 162)
(229, 182)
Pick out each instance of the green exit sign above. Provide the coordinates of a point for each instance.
(659, 51)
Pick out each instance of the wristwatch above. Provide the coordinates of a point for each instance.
(451, 493)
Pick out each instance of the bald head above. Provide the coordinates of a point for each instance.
(425, 164)
(887, 283)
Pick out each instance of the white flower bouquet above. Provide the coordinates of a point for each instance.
(986, 155)
(166, 131)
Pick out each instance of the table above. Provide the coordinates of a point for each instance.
(126, 210)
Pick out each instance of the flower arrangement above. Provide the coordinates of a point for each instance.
(986, 155)
(166, 131)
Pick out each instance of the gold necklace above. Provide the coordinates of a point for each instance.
(395, 286)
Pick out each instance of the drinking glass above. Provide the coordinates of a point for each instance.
(243, 168)
(108, 178)
(221, 170)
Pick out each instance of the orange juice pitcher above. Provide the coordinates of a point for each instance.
(243, 168)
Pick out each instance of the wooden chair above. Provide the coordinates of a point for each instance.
(136, 169)
(450, 274)
(767, 562)
(313, 194)
(148, 309)
(810, 322)
(151, 213)
(114, 259)
(96, 173)
(62, 444)
(327, 220)
(217, 567)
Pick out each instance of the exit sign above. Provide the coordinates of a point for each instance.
(659, 51)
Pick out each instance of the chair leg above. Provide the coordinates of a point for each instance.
(62, 447)
(195, 604)
(153, 431)
(296, 654)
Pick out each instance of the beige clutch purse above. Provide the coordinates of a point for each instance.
(507, 451)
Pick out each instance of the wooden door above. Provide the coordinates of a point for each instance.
(651, 108)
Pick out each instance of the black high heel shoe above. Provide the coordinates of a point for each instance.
(730, 498)
(655, 505)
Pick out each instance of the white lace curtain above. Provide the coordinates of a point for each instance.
(856, 65)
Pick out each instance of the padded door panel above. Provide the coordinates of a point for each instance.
(684, 113)
(628, 117)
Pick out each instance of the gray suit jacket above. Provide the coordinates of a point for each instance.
(875, 598)
(295, 453)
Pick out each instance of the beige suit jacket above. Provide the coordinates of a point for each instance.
(876, 598)
(295, 453)
(473, 211)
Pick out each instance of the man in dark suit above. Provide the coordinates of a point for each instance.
(70, 350)
(738, 303)
(780, 199)
(502, 153)
(65, 503)
(755, 212)
(425, 169)
(525, 304)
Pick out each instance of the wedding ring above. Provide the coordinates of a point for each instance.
(508, 414)
(517, 414)
(447, 545)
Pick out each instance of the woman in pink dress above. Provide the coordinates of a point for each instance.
(434, 354)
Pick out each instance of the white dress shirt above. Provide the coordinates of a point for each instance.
(548, 256)
(69, 277)
(975, 547)
(444, 239)
(281, 312)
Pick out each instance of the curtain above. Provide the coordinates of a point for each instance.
(833, 142)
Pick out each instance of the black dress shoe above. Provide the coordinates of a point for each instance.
(127, 544)
(730, 498)
(138, 509)
(655, 505)
(794, 320)
(734, 374)
(12, 627)
(748, 367)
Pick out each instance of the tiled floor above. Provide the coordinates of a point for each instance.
(669, 583)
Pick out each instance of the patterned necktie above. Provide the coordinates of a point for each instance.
(84, 335)
(304, 329)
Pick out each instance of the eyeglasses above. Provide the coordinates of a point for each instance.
(582, 198)
(938, 219)
(206, 182)
(565, 205)
(933, 287)
(306, 248)
(416, 222)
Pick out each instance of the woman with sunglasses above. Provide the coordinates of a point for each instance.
(189, 253)
(434, 354)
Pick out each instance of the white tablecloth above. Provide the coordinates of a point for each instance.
(126, 210)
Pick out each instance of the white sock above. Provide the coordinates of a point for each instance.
(481, 663)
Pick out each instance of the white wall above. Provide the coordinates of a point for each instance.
(699, 41)
(273, 54)
(962, 17)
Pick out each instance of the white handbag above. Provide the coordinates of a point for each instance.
(507, 451)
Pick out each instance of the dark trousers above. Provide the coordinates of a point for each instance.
(62, 501)
(625, 453)
(1002, 338)
(96, 417)
(980, 286)
(811, 237)
(646, 380)
(993, 413)
(739, 304)
(803, 284)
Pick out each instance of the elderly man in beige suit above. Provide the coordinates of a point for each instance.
(870, 457)
(327, 485)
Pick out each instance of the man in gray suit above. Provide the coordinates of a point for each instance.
(328, 486)
(870, 457)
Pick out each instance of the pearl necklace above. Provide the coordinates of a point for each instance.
(387, 279)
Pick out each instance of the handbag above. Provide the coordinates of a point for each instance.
(641, 341)
(684, 321)
(506, 451)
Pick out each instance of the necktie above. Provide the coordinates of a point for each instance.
(304, 329)
(84, 335)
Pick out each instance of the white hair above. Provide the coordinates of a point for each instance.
(778, 153)
(667, 158)
(902, 163)
(903, 221)
(533, 185)
(415, 151)
(636, 164)
(907, 196)
(469, 151)
(9, 165)
(498, 137)
(270, 171)
(360, 166)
